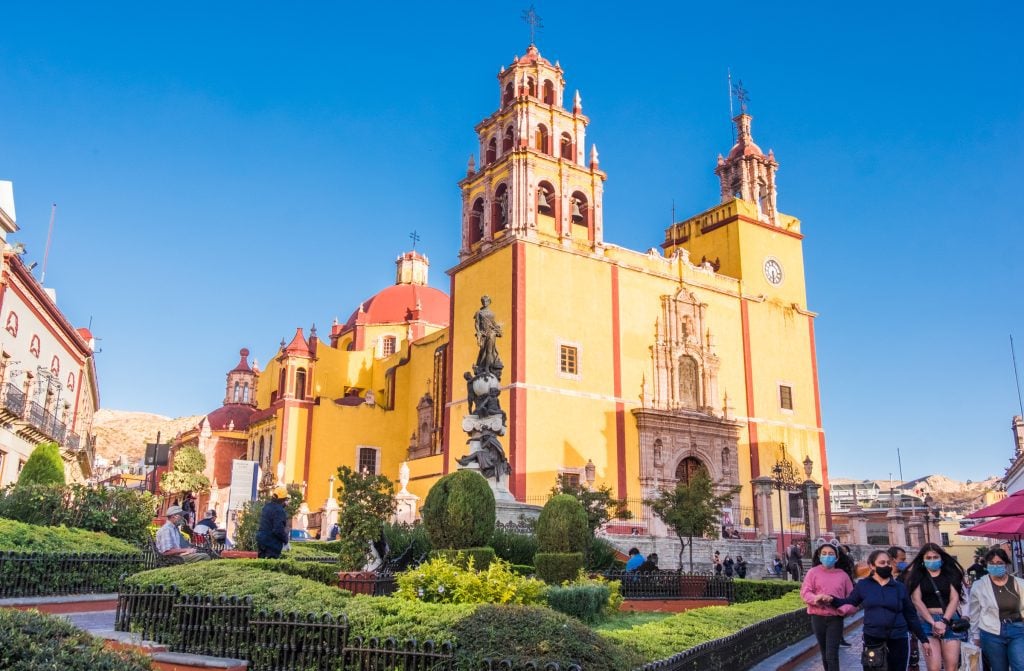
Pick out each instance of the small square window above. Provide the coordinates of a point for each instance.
(796, 506)
(785, 397)
(368, 460)
(568, 360)
(570, 480)
(388, 346)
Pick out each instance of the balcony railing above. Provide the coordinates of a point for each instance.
(14, 400)
(72, 442)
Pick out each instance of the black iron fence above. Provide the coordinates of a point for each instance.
(673, 585)
(48, 574)
(741, 650)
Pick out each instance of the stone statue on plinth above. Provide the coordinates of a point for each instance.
(486, 419)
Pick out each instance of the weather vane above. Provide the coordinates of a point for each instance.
(533, 20)
(415, 237)
(741, 95)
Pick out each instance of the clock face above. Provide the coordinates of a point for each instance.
(773, 271)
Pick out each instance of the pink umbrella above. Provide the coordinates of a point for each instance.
(1011, 505)
(1007, 528)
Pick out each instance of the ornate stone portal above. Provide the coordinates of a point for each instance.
(486, 420)
(680, 427)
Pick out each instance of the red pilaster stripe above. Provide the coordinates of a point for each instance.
(449, 413)
(517, 432)
(825, 487)
(748, 378)
(620, 408)
(283, 443)
(309, 443)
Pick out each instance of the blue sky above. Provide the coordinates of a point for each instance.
(227, 172)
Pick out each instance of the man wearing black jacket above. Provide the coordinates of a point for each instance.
(273, 532)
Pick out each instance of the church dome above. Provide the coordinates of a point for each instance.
(399, 303)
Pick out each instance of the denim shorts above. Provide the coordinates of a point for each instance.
(949, 635)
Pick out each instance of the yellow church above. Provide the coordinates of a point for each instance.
(621, 368)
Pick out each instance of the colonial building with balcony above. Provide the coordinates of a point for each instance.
(48, 384)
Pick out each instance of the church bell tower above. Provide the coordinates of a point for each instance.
(533, 180)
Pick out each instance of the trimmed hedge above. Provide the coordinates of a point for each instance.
(671, 635)
(529, 633)
(459, 511)
(513, 547)
(20, 537)
(482, 557)
(30, 641)
(583, 602)
(555, 568)
(122, 513)
(562, 525)
(745, 591)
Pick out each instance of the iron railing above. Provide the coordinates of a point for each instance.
(49, 574)
(14, 400)
(673, 585)
(224, 626)
(72, 441)
(741, 650)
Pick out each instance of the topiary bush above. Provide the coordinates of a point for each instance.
(44, 466)
(513, 547)
(522, 634)
(31, 641)
(562, 525)
(555, 568)
(745, 591)
(443, 581)
(583, 602)
(122, 513)
(459, 511)
(481, 557)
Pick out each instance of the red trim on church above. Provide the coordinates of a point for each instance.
(517, 407)
(449, 411)
(825, 488)
(748, 380)
(620, 408)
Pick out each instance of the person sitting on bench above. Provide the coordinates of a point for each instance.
(170, 542)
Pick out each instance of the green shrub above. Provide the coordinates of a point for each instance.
(20, 537)
(122, 513)
(403, 536)
(601, 556)
(459, 511)
(524, 569)
(30, 641)
(248, 525)
(512, 547)
(583, 602)
(442, 581)
(562, 525)
(761, 590)
(311, 549)
(44, 466)
(481, 557)
(326, 574)
(524, 633)
(554, 568)
(666, 637)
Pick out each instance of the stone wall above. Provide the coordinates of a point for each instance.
(757, 553)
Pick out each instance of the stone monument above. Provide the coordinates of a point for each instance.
(405, 501)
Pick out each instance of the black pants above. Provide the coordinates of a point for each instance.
(265, 552)
(829, 631)
(899, 650)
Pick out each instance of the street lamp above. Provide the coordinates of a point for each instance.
(928, 517)
(808, 469)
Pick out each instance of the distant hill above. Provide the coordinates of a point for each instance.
(125, 433)
(949, 494)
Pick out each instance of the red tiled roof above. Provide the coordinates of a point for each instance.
(243, 364)
(396, 304)
(222, 417)
(533, 56)
(298, 344)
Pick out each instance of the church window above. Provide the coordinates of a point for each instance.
(300, 384)
(509, 94)
(476, 222)
(565, 146)
(245, 393)
(796, 506)
(440, 393)
(281, 383)
(785, 397)
(531, 87)
(508, 140)
(492, 151)
(237, 396)
(569, 480)
(262, 447)
(549, 92)
(580, 209)
(368, 460)
(688, 382)
(688, 468)
(12, 324)
(542, 138)
(387, 345)
(568, 360)
(545, 198)
(499, 209)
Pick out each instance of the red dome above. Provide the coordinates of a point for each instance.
(221, 418)
(397, 304)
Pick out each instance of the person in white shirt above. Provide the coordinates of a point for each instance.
(997, 614)
(170, 542)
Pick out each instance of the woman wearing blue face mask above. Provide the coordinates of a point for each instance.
(935, 580)
(997, 611)
(826, 579)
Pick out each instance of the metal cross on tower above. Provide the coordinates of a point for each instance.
(741, 95)
(533, 20)
(415, 237)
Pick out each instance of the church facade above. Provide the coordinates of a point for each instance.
(622, 368)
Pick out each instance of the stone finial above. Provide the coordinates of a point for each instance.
(593, 156)
(471, 165)
(577, 103)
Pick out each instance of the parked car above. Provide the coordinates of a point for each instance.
(300, 536)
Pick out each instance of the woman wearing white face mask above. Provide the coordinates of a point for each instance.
(997, 614)
(825, 578)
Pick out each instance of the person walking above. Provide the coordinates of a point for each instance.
(741, 567)
(793, 565)
(717, 561)
(997, 614)
(889, 614)
(825, 578)
(935, 581)
(728, 566)
(273, 534)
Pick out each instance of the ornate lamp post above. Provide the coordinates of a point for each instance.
(928, 517)
(808, 469)
(785, 479)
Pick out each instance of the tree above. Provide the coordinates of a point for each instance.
(186, 474)
(692, 509)
(599, 503)
(44, 466)
(365, 502)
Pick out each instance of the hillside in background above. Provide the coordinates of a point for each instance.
(122, 432)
